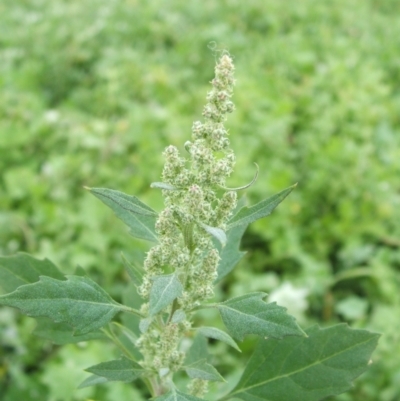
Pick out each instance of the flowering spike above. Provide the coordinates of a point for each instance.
(194, 213)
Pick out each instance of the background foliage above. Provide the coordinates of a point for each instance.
(91, 93)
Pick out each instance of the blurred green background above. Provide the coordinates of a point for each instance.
(91, 93)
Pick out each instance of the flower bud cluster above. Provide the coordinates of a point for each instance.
(192, 202)
(200, 283)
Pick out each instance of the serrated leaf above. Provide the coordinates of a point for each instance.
(92, 381)
(134, 272)
(217, 334)
(216, 232)
(262, 209)
(203, 370)
(164, 290)
(306, 368)
(230, 254)
(139, 217)
(24, 269)
(176, 395)
(249, 314)
(122, 369)
(77, 301)
(62, 333)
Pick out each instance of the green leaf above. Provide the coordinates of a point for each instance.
(216, 232)
(203, 370)
(126, 338)
(178, 316)
(217, 334)
(134, 272)
(163, 185)
(230, 254)
(175, 395)
(249, 314)
(78, 301)
(197, 351)
(23, 269)
(262, 209)
(123, 369)
(163, 291)
(62, 333)
(92, 381)
(306, 368)
(145, 324)
(139, 217)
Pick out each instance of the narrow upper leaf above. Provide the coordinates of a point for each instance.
(217, 334)
(92, 381)
(203, 370)
(163, 185)
(249, 314)
(262, 209)
(216, 232)
(134, 272)
(139, 217)
(163, 291)
(145, 324)
(306, 368)
(24, 269)
(178, 316)
(78, 301)
(175, 395)
(230, 253)
(123, 369)
(197, 351)
(62, 333)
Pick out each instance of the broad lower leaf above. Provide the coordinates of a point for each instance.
(23, 269)
(262, 209)
(217, 334)
(123, 369)
(176, 395)
(203, 370)
(62, 333)
(230, 254)
(306, 368)
(249, 314)
(92, 381)
(139, 217)
(78, 301)
(163, 291)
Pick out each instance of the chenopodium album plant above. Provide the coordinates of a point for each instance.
(196, 243)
